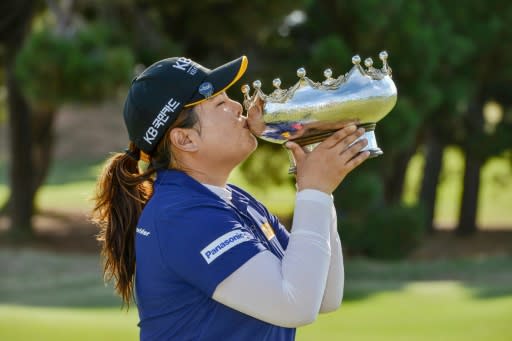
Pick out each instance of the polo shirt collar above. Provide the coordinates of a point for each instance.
(222, 192)
(182, 179)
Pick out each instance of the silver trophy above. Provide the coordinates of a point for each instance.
(309, 112)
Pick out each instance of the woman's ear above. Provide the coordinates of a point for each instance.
(184, 139)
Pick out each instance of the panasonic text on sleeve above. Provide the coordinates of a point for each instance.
(223, 244)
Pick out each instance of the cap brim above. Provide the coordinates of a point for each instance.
(222, 78)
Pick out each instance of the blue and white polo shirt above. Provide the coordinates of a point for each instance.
(189, 240)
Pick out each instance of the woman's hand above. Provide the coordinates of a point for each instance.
(327, 165)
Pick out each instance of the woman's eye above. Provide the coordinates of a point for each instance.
(220, 103)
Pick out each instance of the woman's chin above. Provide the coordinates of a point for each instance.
(251, 148)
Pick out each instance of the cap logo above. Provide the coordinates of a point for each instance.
(160, 120)
(206, 89)
(182, 63)
(185, 64)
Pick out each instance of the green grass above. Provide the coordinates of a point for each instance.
(52, 324)
(47, 296)
(421, 311)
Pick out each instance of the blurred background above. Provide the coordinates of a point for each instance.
(426, 228)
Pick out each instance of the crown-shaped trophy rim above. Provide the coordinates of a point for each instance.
(280, 95)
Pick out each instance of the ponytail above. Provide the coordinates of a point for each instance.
(121, 194)
(122, 191)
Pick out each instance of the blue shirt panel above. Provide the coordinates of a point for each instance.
(249, 206)
(174, 281)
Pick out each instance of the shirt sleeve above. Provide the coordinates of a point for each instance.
(281, 233)
(205, 244)
(287, 292)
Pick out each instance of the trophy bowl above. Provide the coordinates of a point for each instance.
(308, 112)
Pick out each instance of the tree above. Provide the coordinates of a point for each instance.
(102, 40)
(469, 79)
(487, 35)
(335, 31)
(14, 26)
(45, 73)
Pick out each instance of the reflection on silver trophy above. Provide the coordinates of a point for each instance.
(309, 112)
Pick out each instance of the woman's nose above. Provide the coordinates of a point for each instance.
(238, 108)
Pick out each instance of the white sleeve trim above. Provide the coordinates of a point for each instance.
(287, 292)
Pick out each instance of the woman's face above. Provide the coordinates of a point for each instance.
(225, 138)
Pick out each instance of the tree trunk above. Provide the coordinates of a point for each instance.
(468, 210)
(21, 194)
(394, 185)
(42, 149)
(474, 122)
(431, 172)
(43, 137)
(15, 23)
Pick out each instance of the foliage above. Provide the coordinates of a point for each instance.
(393, 232)
(447, 60)
(266, 166)
(371, 228)
(441, 64)
(84, 66)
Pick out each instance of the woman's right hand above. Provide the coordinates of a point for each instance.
(327, 165)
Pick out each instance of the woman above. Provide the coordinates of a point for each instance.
(205, 260)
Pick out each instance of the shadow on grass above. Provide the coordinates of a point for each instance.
(41, 278)
(485, 278)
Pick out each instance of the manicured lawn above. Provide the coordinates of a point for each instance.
(47, 296)
(21, 323)
(419, 311)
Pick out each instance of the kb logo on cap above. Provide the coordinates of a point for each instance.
(206, 89)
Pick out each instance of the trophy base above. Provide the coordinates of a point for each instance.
(309, 143)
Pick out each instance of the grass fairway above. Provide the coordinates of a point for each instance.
(21, 323)
(420, 311)
(47, 296)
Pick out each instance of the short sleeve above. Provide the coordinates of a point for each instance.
(281, 232)
(204, 245)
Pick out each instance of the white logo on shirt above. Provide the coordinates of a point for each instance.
(223, 244)
(142, 231)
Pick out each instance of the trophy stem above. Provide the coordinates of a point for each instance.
(310, 142)
(372, 146)
(293, 165)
